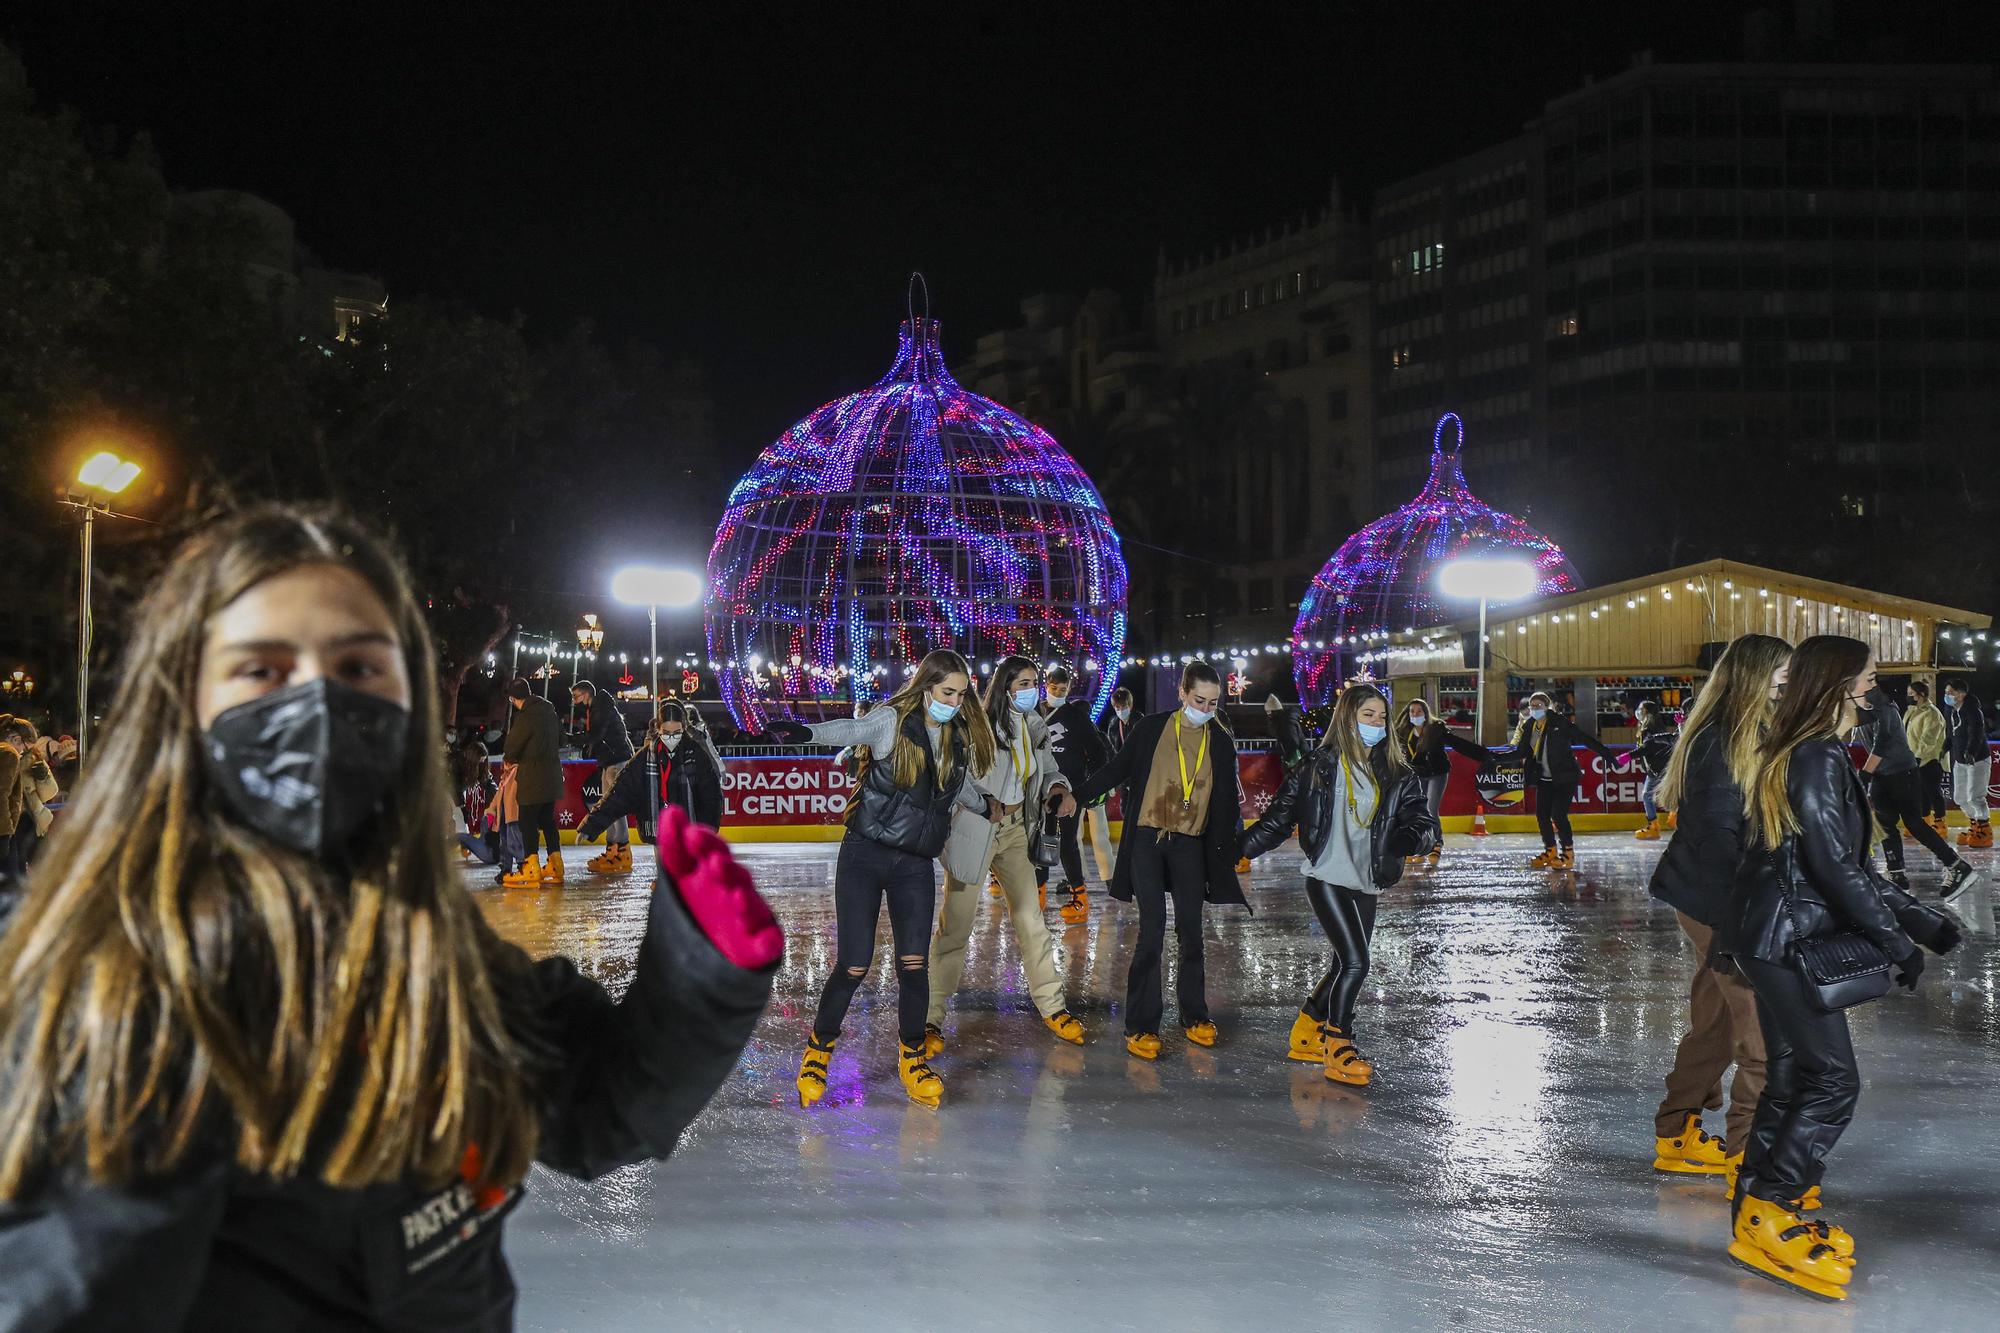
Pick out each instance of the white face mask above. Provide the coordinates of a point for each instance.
(1538, 713)
(671, 742)
(1124, 714)
(1195, 717)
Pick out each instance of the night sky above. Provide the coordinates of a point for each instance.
(751, 187)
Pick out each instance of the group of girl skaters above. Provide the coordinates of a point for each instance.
(266, 1065)
(1792, 923)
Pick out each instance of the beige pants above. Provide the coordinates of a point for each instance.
(1100, 840)
(1722, 1030)
(1016, 874)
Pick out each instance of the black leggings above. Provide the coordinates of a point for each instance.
(1072, 853)
(1552, 800)
(1898, 797)
(1348, 918)
(1811, 1086)
(1930, 784)
(867, 873)
(538, 824)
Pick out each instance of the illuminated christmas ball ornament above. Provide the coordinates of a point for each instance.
(909, 516)
(1383, 579)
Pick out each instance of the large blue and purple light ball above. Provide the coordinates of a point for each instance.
(910, 516)
(1385, 577)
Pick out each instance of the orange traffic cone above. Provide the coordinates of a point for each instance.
(1479, 820)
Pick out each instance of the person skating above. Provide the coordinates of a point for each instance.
(1894, 795)
(1360, 810)
(1428, 743)
(673, 769)
(1808, 880)
(1176, 775)
(1654, 751)
(604, 742)
(1078, 749)
(1703, 784)
(309, 1100)
(1024, 784)
(534, 747)
(1544, 749)
(1971, 763)
(922, 747)
(1924, 728)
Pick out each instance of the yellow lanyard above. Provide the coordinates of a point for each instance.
(1187, 783)
(1022, 754)
(1353, 806)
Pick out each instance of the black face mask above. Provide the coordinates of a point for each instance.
(307, 766)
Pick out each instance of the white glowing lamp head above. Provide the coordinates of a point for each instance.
(106, 472)
(1496, 580)
(648, 585)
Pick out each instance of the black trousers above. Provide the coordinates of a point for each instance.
(1166, 865)
(1072, 853)
(538, 825)
(1930, 790)
(1810, 1088)
(1899, 797)
(1348, 918)
(1552, 800)
(868, 874)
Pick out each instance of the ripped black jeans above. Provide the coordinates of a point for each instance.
(867, 873)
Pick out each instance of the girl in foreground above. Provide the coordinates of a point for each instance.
(1360, 810)
(265, 1065)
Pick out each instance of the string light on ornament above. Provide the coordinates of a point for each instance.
(909, 516)
(1385, 574)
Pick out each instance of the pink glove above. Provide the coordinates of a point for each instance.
(718, 892)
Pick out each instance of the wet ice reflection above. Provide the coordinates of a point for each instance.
(1495, 1175)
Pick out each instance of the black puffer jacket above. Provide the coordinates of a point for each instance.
(603, 733)
(1403, 824)
(215, 1249)
(1429, 748)
(1822, 879)
(692, 784)
(1656, 747)
(1696, 872)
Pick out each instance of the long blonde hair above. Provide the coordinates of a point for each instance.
(1343, 732)
(907, 759)
(174, 981)
(1736, 698)
(1814, 707)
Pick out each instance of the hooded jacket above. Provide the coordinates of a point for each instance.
(692, 784)
(1822, 879)
(1127, 772)
(1403, 825)
(1968, 732)
(216, 1249)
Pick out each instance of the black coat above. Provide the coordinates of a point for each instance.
(692, 784)
(1968, 733)
(1822, 879)
(1696, 871)
(1127, 772)
(604, 735)
(215, 1249)
(1116, 733)
(534, 743)
(1430, 744)
(1560, 738)
(1656, 748)
(1403, 824)
(1074, 740)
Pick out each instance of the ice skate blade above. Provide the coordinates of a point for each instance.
(1763, 1265)
(1667, 1166)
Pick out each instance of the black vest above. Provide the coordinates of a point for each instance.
(917, 818)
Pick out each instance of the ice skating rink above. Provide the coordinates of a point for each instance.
(1497, 1175)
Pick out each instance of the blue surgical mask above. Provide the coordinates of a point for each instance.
(941, 713)
(1371, 735)
(1195, 717)
(1025, 700)
(1538, 713)
(1124, 714)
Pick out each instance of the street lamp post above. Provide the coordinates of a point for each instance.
(1487, 580)
(653, 588)
(103, 475)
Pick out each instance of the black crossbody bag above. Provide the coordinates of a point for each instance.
(1840, 970)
